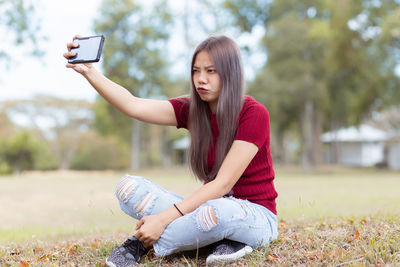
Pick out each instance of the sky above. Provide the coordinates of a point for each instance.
(61, 20)
(30, 76)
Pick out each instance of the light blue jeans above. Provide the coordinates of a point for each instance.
(237, 219)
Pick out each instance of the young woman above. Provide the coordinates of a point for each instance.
(229, 151)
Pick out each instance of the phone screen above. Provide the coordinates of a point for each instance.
(89, 49)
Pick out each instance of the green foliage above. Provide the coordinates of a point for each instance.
(4, 166)
(19, 25)
(45, 159)
(105, 120)
(20, 151)
(337, 56)
(100, 153)
(65, 120)
(134, 56)
(248, 13)
(7, 128)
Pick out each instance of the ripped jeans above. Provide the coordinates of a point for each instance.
(237, 219)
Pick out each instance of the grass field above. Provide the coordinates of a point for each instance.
(331, 216)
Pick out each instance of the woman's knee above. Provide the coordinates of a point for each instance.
(126, 187)
(207, 218)
(136, 196)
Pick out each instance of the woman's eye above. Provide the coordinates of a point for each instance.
(211, 71)
(195, 70)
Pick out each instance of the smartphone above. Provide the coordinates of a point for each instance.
(89, 49)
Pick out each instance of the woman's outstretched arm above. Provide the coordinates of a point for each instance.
(146, 110)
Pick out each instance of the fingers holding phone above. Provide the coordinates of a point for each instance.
(83, 51)
(70, 54)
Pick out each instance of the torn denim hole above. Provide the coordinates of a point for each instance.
(125, 179)
(145, 205)
(242, 214)
(206, 218)
(126, 188)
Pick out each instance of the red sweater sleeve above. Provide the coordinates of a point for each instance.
(254, 125)
(181, 108)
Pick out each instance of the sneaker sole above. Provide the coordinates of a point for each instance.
(110, 264)
(219, 259)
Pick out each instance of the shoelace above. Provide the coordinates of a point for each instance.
(135, 247)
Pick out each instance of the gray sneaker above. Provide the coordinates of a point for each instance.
(227, 251)
(128, 254)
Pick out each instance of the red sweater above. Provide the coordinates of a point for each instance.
(256, 183)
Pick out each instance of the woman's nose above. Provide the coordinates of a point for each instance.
(202, 78)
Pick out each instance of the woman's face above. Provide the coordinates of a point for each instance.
(206, 79)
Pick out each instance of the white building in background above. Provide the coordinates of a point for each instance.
(393, 151)
(362, 146)
(180, 150)
(357, 146)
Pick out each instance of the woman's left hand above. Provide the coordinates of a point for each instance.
(149, 230)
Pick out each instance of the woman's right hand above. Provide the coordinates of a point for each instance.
(80, 68)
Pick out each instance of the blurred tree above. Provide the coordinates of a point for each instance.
(58, 121)
(133, 69)
(19, 25)
(379, 26)
(291, 84)
(360, 71)
(295, 53)
(20, 151)
(96, 152)
(326, 59)
(135, 57)
(7, 128)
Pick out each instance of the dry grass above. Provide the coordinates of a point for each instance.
(331, 217)
(368, 241)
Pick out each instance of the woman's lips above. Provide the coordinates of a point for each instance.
(202, 90)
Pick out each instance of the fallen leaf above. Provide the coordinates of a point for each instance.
(283, 225)
(23, 264)
(312, 255)
(72, 249)
(331, 254)
(357, 235)
(95, 244)
(44, 258)
(271, 257)
(38, 250)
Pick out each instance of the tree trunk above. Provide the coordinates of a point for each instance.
(307, 136)
(334, 149)
(278, 147)
(165, 150)
(135, 145)
(317, 155)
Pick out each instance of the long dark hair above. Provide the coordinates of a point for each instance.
(228, 64)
